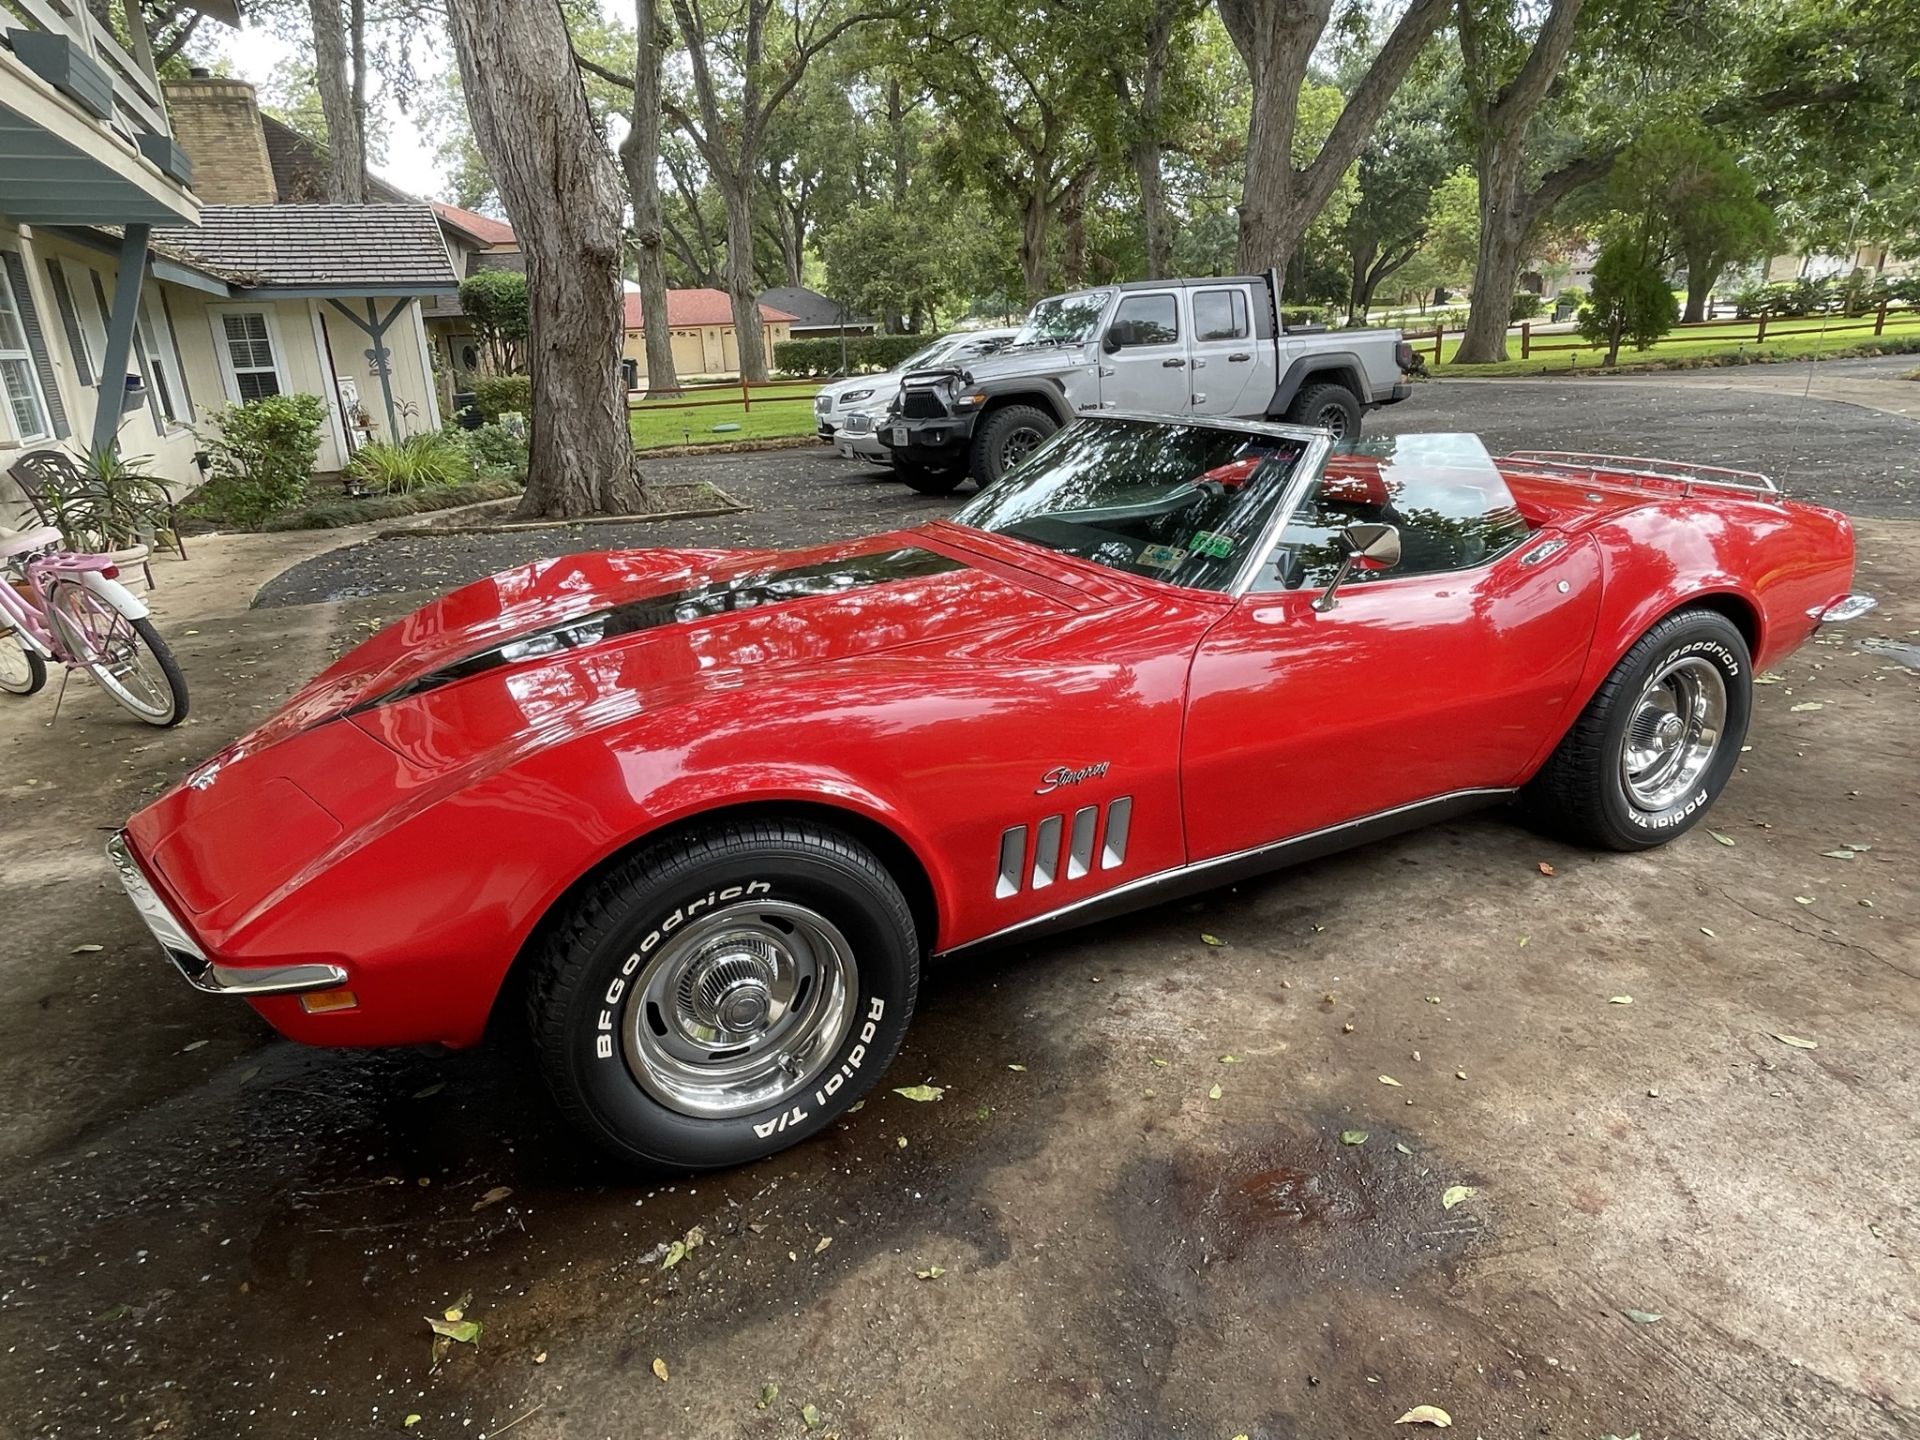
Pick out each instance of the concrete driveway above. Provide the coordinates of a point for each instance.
(207, 1232)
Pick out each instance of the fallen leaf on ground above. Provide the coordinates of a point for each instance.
(825, 1240)
(1545, 868)
(919, 1092)
(1806, 705)
(1455, 1194)
(465, 1332)
(1020, 1068)
(1619, 1000)
(1214, 1093)
(1401, 1148)
(1838, 854)
(901, 1142)
(1795, 1041)
(1803, 899)
(1389, 1080)
(459, 1307)
(541, 1358)
(409, 1422)
(1723, 839)
(676, 1252)
(433, 1089)
(86, 949)
(1229, 1059)
(932, 1272)
(810, 1417)
(1705, 931)
(660, 1369)
(492, 1197)
(1211, 940)
(1353, 1137)
(187, 1049)
(1156, 1060)
(769, 1392)
(1644, 1317)
(1426, 1415)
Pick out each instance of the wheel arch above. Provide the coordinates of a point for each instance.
(1323, 368)
(1041, 397)
(902, 861)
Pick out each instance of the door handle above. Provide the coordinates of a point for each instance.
(1237, 357)
(1174, 364)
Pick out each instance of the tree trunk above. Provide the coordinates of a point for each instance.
(897, 127)
(1703, 273)
(1276, 39)
(1153, 209)
(737, 191)
(342, 85)
(1360, 287)
(531, 121)
(1504, 226)
(1033, 240)
(640, 159)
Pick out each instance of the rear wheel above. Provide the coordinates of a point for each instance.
(127, 658)
(22, 671)
(1658, 741)
(1006, 437)
(1333, 408)
(725, 994)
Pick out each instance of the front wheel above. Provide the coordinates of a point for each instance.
(22, 671)
(1658, 741)
(127, 658)
(724, 994)
(1006, 437)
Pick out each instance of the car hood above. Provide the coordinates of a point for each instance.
(1030, 360)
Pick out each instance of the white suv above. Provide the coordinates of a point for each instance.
(847, 412)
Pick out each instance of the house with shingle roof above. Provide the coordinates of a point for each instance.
(705, 343)
(239, 288)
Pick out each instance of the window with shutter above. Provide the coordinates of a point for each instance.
(250, 356)
(70, 321)
(26, 370)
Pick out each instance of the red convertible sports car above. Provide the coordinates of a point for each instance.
(703, 815)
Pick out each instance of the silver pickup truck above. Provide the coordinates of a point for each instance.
(1167, 347)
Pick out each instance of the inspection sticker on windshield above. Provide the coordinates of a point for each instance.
(1211, 542)
(1161, 557)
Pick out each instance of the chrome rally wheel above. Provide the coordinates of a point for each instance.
(741, 1009)
(1656, 743)
(1674, 733)
(724, 992)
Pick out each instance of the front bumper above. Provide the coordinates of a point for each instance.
(940, 441)
(191, 961)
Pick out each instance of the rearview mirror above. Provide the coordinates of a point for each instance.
(1364, 547)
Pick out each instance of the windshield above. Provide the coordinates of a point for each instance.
(933, 354)
(1180, 503)
(1064, 319)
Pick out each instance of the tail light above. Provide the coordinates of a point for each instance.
(1403, 355)
(109, 572)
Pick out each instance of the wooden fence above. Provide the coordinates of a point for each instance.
(1765, 327)
(739, 392)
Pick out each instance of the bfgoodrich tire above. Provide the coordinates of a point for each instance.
(1333, 408)
(1657, 743)
(725, 994)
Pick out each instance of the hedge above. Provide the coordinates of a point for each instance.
(863, 352)
(497, 395)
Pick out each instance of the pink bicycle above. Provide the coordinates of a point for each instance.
(59, 605)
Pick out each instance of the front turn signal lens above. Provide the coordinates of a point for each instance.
(319, 1002)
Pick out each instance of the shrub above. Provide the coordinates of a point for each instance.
(262, 457)
(863, 352)
(429, 459)
(1524, 306)
(1631, 301)
(496, 450)
(497, 395)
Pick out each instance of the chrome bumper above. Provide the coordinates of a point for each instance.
(191, 961)
(1847, 607)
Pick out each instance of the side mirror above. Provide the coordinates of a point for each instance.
(1119, 335)
(1363, 547)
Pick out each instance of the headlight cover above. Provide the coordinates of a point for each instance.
(853, 395)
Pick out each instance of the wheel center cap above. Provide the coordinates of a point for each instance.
(745, 1007)
(1670, 728)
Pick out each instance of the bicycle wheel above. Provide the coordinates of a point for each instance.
(22, 671)
(127, 658)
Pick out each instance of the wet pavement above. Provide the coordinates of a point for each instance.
(205, 1231)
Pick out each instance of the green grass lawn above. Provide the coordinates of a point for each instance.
(1728, 340)
(657, 423)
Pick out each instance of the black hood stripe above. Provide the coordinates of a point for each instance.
(699, 602)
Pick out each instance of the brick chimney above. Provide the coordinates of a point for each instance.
(217, 122)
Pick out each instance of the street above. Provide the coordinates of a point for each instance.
(1680, 1223)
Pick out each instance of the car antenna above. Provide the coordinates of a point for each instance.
(1853, 264)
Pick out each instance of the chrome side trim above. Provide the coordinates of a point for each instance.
(1080, 841)
(1220, 869)
(1046, 852)
(1013, 858)
(191, 961)
(1847, 607)
(1113, 849)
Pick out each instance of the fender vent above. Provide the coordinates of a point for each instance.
(1063, 851)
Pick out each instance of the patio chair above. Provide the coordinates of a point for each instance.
(44, 474)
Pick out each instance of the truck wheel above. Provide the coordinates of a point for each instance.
(724, 994)
(1006, 437)
(1658, 741)
(927, 481)
(1332, 408)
